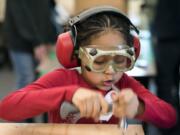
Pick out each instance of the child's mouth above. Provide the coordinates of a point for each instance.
(108, 83)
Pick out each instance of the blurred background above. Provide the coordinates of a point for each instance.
(158, 66)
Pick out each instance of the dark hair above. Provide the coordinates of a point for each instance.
(98, 23)
(85, 30)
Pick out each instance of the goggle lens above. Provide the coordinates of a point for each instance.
(118, 62)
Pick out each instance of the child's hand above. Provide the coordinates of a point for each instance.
(125, 104)
(90, 103)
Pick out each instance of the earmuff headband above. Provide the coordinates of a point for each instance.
(92, 11)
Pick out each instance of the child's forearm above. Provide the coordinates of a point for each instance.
(26, 102)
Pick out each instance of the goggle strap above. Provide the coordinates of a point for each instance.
(87, 68)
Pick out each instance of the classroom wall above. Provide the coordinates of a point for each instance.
(76, 6)
(81, 5)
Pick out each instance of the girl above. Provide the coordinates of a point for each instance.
(105, 49)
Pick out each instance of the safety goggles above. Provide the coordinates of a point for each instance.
(98, 59)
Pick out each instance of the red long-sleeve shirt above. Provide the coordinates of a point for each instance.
(48, 92)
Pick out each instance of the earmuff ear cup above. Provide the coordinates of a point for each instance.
(64, 50)
(137, 46)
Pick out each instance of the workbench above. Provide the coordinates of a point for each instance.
(66, 129)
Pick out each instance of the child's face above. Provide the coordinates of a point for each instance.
(104, 80)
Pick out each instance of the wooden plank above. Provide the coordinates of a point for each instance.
(66, 129)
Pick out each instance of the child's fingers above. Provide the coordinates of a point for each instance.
(93, 107)
(118, 112)
(89, 108)
(82, 107)
(122, 105)
(96, 109)
(114, 96)
(103, 104)
(119, 105)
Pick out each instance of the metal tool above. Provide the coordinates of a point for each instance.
(67, 109)
(123, 125)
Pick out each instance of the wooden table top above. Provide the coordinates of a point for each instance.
(66, 129)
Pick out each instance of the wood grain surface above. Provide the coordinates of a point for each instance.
(66, 129)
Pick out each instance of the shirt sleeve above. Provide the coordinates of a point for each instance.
(44, 95)
(157, 111)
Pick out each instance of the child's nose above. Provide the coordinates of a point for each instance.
(109, 70)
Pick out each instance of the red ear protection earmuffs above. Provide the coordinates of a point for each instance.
(64, 50)
(65, 43)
